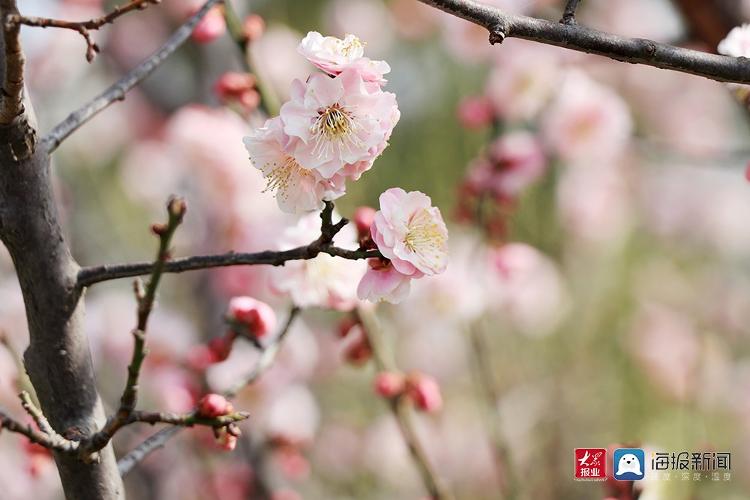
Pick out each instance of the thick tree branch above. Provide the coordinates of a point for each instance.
(82, 27)
(11, 105)
(118, 90)
(91, 275)
(576, 37)
(160, 438)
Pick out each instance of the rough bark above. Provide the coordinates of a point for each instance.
(58, 359)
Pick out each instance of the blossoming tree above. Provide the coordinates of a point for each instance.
(329, 133)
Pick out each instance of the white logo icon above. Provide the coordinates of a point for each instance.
(629, 463)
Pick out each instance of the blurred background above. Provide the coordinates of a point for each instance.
(598, 291)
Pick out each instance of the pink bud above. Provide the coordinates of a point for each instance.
(256, 316)
(747, 172)
(389, 384)
(253, 27)
(214, 405)
(357, 349)
(424, 391)
(226, 441)
(211, 27)
(232, 84)
(363, 219)
(475, 112)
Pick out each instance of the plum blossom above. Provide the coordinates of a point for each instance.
(411, 234)
(587, 121)
(324, 281)
(737, 42)
(333, 56)
(339, 122)
(296, 188)
(528, 289)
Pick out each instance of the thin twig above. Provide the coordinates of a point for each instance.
(91, 275)
(50, 441)
(160, 438)
(569, 14)
(576, 37)
(401, 411)
(176, 212)
(486, 382)
(36, 414)
(118, 90)
(82, 27)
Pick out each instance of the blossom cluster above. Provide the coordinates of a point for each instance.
(332, 129)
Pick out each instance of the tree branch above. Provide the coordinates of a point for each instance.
(400, 409)
(81, 27)
(160, 438)
(575, 37)
(11, 105)
(569, 14)
(91, 275)
(118, 90)
(176, 212)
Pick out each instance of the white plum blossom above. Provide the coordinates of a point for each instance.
(296, 188)
(324, 281)
(338, 122)
(737, 42)
(334, 55)
(411, 234)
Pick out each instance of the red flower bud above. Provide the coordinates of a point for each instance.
(256, 317)
(389, 384)
(424, 392)
(363, 219)
(214, 405)
(253, 27)
(211, 27)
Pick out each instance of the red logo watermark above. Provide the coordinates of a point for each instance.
(590, 464)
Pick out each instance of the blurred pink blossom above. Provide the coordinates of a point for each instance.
(324, 281)
(211, 27)
(528, 289)
(587, 122)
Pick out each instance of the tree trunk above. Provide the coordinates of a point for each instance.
(58, 359)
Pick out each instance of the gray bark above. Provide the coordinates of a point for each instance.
(58, 359)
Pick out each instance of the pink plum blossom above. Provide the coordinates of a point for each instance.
(333, 56)
(296, 188)
(475, 112)
(587, 122)
(737, 42)
(338, 122)
(411, 234)
(324, 281)
(528, 289)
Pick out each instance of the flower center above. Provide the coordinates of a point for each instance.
(350, 45)
(424, 236)
(283, 176)
(334, 125)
